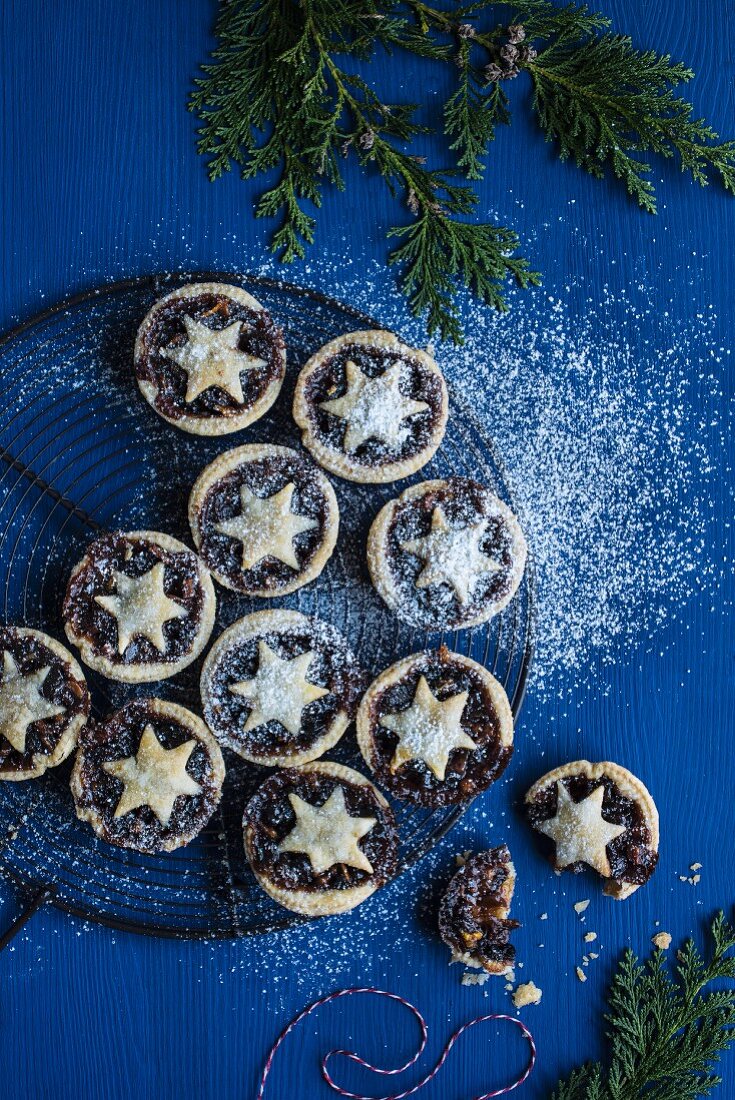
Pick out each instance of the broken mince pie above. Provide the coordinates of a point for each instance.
(435, 728)
(264, 519)
(473, 915)
(446, 554)
(139, 605)
(44, 703)
(320, 838)
(370, 408)
(599, 815)
(209, 358)
(148, 777)
(280, 688)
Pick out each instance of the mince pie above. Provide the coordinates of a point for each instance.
(209, 358)
(598, 815)
(139, 605)
(264, 519)
(280, 688)
(473, 916)
(320, 838)
(148, 777)
(435, 728)
(370, 408)
(446, 554)
(44, 703)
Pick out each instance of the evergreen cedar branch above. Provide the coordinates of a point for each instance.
(665, 1033)
(278, 95)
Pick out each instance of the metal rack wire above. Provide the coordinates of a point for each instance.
(81, 452)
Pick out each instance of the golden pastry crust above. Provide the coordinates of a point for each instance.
(334, 457)
(298, 472)
(66, 744)
(399, 595)
(340, 683)
(212, 424)
(140, 671)
(629, 786)
(319, 903)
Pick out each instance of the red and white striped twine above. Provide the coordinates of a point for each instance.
(400, 1069)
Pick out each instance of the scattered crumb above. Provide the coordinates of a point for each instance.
(472, 978)
(527, 994)
(695, 879)
(580, 906)
(662, 940)
(581, 974)
(510, 975)
(594, 955)
(590, 937)
(682, 878)
(585, 960)
(695, 866)
(509, 986)
(544, 916)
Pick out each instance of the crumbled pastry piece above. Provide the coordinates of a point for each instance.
(527, 994)
(590, 937)
(695, 866)
(469, 978)
(581, 974)
(594, 955)
(581, 906)
(662, 940)
(473, 916)
(600, 816)
(544, 916)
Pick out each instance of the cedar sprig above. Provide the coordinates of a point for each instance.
(281, 94)
(666, 1031)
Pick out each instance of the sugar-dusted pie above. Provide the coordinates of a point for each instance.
(139, 605)
(446, 554)
(370, 408)
(473, 915)
(280, 688)
(44, 702)
(148, 777)
(264, 519)
(209, 358)
(320, 838)
(435, 728)
(599, 816)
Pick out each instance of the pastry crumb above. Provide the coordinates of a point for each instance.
(594, 955)
(590, 937)
(544, 916)
(695, 866)
(662, 940)
(527, 994)
(473, 978)
(581, 974)
(580, 906)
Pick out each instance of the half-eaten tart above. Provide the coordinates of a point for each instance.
(435, 728)
(139, 606)
(209, 358)
(446, 554)
(264, 518)
(320, 839)
(147, 777)
(44, 702)
(473, 915)
(370, 408)
(599, 816)
(280, 688)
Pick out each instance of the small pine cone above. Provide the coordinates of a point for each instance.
(509, 54)
(516, 33)
(412, 202)
(493, 73)
(367, 140)
(465, 30)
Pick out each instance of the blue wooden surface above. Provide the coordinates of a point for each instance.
(100, 180)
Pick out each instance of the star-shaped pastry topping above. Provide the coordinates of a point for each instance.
(429, 730)
(211, 357)
(451, 555)
(22, 703)
(141, 607)
(154, 777)
(279, 690)
(374, 408)
(579, 830)
(266, 527)
(328, 834)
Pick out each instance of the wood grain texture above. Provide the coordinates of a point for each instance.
(100, 180)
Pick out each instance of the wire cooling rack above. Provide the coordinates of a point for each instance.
(82, 452)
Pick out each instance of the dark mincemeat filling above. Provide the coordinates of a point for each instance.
(464, 503)
(119, 737)
(332, 667)
(59, 687)
(472, 914)
(263, 339)
(265, 477)
(109, 554)
(631, 856)
(418, 383)
(269, 818)
(468, 771)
